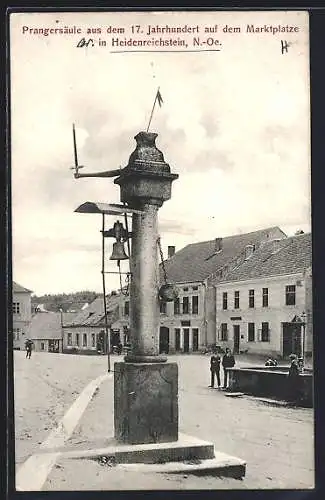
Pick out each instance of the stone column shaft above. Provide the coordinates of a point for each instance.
(144, 304)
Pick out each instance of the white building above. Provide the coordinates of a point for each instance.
(189, 323)
(264, 305)
(46, 330)
(21, 315)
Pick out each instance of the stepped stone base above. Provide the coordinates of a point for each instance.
(186, 455)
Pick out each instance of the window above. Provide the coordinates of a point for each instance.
(225, 300)
(69, 341)
(93, 340)
(251, 298)
(42, 346)
(16, 307)
(84, 340)
(251, 332)
(185, 305)
(265, 333)
(77, 338)
(236, 300)
(177, 339)
(195, 287)
(176, 306)
(126, 308)
(265, 297)
(224, 332)
(291, 295)
(163, 307)
(195, 304)
(185, 289)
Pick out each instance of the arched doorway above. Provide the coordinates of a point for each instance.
(164, 340)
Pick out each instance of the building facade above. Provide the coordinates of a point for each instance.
(21, 315)
(189, 323)
(46, 331)
(264, 306)
(182, 322)
(85, 331)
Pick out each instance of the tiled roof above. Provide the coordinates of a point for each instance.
(76, 306)
(288, 256)
(67, 317)
(45, 325)
(198, 261)
(16, 288)
(93, 315)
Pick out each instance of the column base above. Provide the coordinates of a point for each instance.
(134, 358)
(145, 402)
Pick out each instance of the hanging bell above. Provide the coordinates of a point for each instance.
(118, 251)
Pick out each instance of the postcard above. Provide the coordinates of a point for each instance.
(162, 322)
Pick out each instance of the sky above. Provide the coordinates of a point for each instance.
(234, 124)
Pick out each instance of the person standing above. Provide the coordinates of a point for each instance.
(228, 361)
(28, 346)
(294, 380)
(215, 369)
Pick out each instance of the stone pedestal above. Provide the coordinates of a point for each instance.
(146, 402)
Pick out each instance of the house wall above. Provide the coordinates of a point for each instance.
(81, 331)
(43, 345)
(21, 320)
(276, 312)
(309, 311)
(188, 320)
(174, 321)
(210, 315)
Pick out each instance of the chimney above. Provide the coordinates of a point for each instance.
(171, 251)
(249, 250)
(218, 244)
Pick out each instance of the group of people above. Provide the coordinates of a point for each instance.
(227, 361)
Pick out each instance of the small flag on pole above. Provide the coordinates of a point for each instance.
(159, 98)
(160, 101)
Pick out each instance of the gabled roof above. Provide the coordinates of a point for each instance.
(198, 261)
(16, 288)
(291, 255)
(45, 325)
(93, 315)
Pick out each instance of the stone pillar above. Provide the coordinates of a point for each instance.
(145, 386)
(144, 304)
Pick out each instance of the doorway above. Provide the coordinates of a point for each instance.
(115, 338)
(195, 333)
(177, 339)
(186, 339)
(291, 338)
(236, 338)
(54, 346)
(164, 340)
